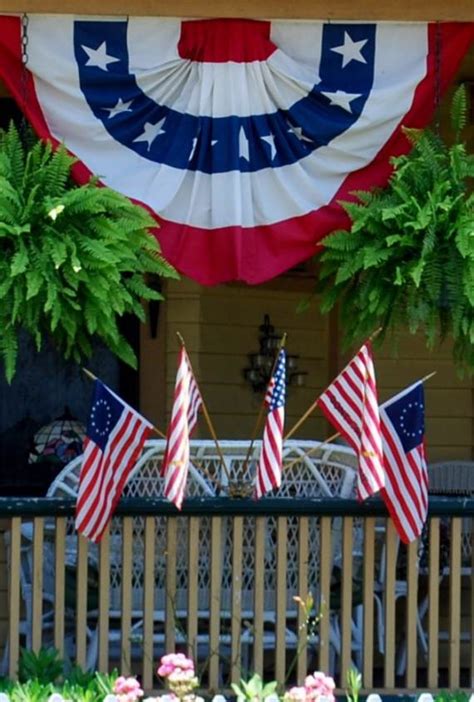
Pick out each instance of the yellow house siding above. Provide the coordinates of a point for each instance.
(230, 319)
(449, 399)
(220, 326)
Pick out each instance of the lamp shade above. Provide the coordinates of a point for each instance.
(58, 442)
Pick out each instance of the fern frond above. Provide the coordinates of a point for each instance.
(74, 259)
(408, 259)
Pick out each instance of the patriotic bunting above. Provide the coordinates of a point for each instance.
(350, 404)
(241, 136)
(114, 440)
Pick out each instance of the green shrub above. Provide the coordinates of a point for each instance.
(45, 667)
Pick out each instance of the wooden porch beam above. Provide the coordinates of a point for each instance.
(402, 10)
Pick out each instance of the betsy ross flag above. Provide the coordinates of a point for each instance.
(186, 405)
(350, 403)
(114, 440)
(269, 467)
(406, 475)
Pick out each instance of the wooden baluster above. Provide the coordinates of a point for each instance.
(170, 612)
(280, 602)
(259, 589)
(104, 601)
(215, 604)
(325, 593)
(346, 597)
(126, 614)
(14, 601)
(59, 584)
(303, 569)
(236, 607)
(38, 553)
(368, 599)
(388, 599)
(148, 602)
(193, 585)
(455, 603)
(81, 601)
(433, 602)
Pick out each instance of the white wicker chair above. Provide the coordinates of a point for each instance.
(451, 478)
(48, 600)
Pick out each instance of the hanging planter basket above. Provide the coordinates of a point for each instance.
(408, 260)
(73, 259)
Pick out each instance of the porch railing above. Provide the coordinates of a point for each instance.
(221, 584)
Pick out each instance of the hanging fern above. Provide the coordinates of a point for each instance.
(408, 261)
(72, 259)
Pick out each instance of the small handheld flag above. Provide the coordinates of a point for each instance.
(350, 404)
(114, 440)
(270, 464)
(406, 474)
(186, 405)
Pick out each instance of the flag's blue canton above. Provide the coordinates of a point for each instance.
(105, 414)
(279, 383)
(212, 144)
(407, 416)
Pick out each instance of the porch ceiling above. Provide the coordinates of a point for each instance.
(407, 10)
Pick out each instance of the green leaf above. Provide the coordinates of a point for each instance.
(19, 262)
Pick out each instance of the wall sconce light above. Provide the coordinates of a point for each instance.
(261, 362)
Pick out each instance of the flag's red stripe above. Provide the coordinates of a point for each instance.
(186, 405)
(367, 403)
(350, 403)
(108, 465)
(143, 434)
(122, 464)
(401, 461)
(397, 478)
(104, 474)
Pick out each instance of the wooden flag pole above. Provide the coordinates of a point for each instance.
(206, 414)
(301, 420)
(310, 452)
(262, 406)
(311, 409)
(334, 436)
(214, 480)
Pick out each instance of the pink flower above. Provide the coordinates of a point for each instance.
(127, 689)
(319, 685)
(295, 694)
(175, 662)
(179, 675)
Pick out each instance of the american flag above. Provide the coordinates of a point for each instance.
(186, 405)
(114, 440)
(350, 404)
(406, 474)
(269, 467)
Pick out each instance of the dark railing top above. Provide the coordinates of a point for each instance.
(225, 506)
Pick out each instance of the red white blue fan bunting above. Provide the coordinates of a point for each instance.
(240, 135)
